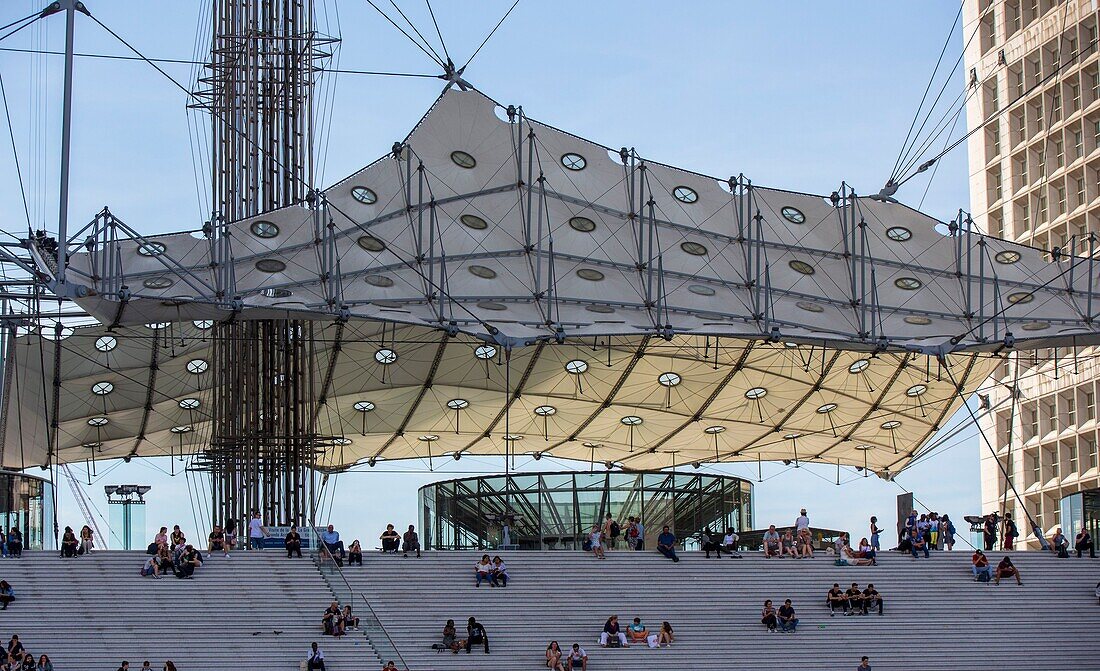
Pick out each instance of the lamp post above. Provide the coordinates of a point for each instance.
(124, 498)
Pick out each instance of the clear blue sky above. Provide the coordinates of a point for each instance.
(798, 95)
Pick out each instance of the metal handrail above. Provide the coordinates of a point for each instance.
(328, 567)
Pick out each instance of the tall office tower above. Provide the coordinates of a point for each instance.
(1033, 88)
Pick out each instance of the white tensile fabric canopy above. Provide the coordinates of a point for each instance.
(649, 316)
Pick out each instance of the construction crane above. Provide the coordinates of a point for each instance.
(84, 503)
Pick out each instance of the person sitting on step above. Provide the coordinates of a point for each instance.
(1082, 542)
(1006, 569)
(789, 547)
(151, 567)
(450, 638)
(917, 544)
(350, 621)
(44, 664)
(836, 599)
(855, 599)
(595, 542)
(331, 621)
(189, 560)
(867, 552)
(500, 572)
(391, 540)
(729, 543)
(7, 594)
(768, 616)
(1059, 544)
(638, 632)
(871, 598)
(805, 544)
(87, 540)
(553, 657)
(666, 636)
(475, 633)
(483, 571)
(293, 543)
(15, 542)
(69, 543)
(786, 617)
(980, 566)
(215, 542)
(577, 658)
(355, 553)
(666, 544)
(411, 542)
(316, 659)
(712, 542)
(771, 543)
(177, 537)
(612, 633)
(390, 666)
(331, 538)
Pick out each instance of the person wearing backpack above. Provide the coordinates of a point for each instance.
(611, 531)
(1010, 532)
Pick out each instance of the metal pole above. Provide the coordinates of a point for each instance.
(70, 7)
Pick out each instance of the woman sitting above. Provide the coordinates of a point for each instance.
(7, 594)
(768, 616)
(355, 553)
(164, 559)
(151, 568)
(637, 631)
(15, 542)
(500, 571)
(553, 657)
(666, 636)
(483, 570)
(789, 548)
(1006, 569)
(28, 663)
(350, 621)
(866, 551)
(86, 540)
(44, 664)
(69, 543)
(450, 639)
(805, 544)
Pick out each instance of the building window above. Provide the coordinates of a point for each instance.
(1080, 190)
(1055, 107)
(995, 139)
(1061, 199)
(1036, 468)
(1090, 447)
(997, 184)
(1059, 153)
(1043, 209)
(1071, 411)
(1094, 79)
(1052, 418)
(1078, 144)
(1073, 458)
(1090, 405)
(1034, 423)
(1075, 96)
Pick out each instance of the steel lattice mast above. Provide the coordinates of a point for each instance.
(258, 90)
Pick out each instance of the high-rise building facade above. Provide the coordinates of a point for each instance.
(1033, 86)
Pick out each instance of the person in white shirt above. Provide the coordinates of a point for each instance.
(500, 572)
(316, 658)
(576, 658)
(803, 521)
(595, 539)
(483, 570)
(257, 532)
(729, 543)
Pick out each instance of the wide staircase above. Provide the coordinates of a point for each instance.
(936, 617)
(257, 611)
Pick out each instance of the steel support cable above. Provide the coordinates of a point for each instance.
(437, 30)
(489, 35)
(15, 153)
(924, 97)
(394, 24)
(25, 23)
(1062, 65)
(936, 167)
(993, 451)
(1011, 420)
(417, 31)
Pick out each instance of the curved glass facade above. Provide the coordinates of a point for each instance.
(26, 502)
(550, 511)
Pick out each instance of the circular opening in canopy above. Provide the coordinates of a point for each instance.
(1007, 256)
(482, 272)
(363, 406)
(371, 243)
(916, 390)
(430, 438)
(545, 410)
(899, 233)
(473, 221)
(600, 309)
(1021, 297)
(582, 224)
(573, 161)
(364, 195)
(714, 429)
(181, 429)
(190, 403)
(694, 248)
(801, 267)
(826, 409)
(701, 290)
(907, 283)
(379, 281)
(203, 323)
(756, 393)
(810, 307)
(858, 366)
(102, 388)
(590, 274)
(385, 356)
(917, 320)
(106, 343)
(485, 352)
(264, 229)
(156, 283)
(150, 249)
(891, 424)
(458, 404)
(685, 194)
(1036, 326)
(793, 215)
(270, 266)
(196, 366)
(631, 420)
(98, 421)
(492, 305)
(576, 366)
(463, 159)
(276, 293)
(669, 379)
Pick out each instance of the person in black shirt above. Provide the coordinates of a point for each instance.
(216, 541)
(836, 599)
(787, 620)
(475, 633)
(1010, 532)
(293, 542)
(69, 543)
(15, 542)
(1083, 541)
(412, 543)
(391, 540)
(989, 532)
(355, 553)
(871, 598)
(855, 599)
(188, 561)
(333, 620)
